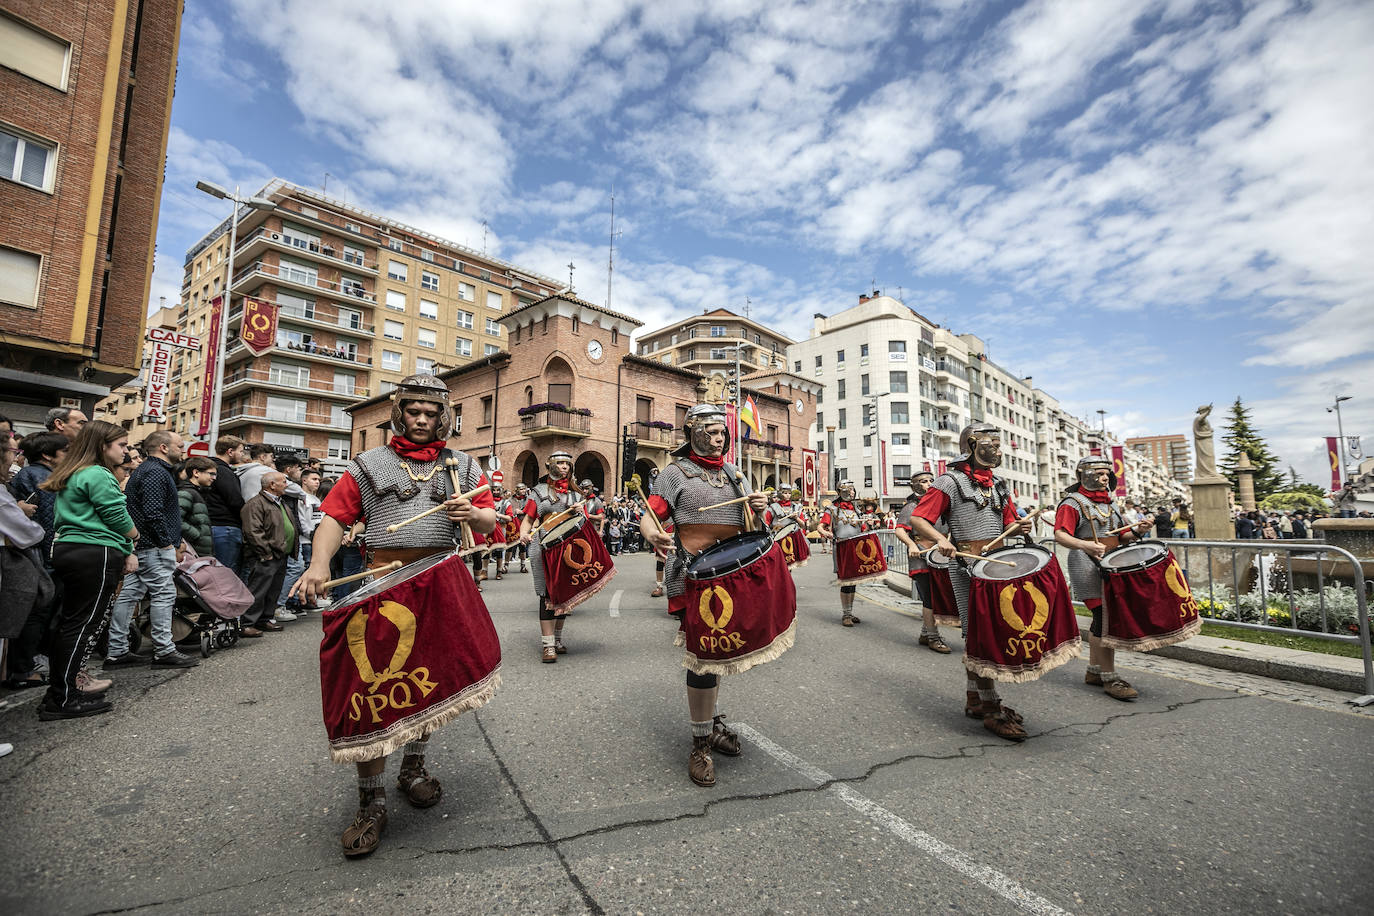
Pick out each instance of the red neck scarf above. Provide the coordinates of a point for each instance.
(844, 505)
(558, 486)
(407, 449)
(982, 475)
(1097, 496)
(784, 502)
(707, 461)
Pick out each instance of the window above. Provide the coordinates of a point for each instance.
(896, 382)
(717, 330)
(457, 419)
(863, 384)
(429, 280)
(868, 408)
(560, 393)
(291, 410)
(900, 412)
(868, 440)
(718, 353)
(486, 410)
(294, 376)
(391, 360)
(424, 365)
(427, 255)
(490, 349)
(337, 418)
(344, 383)
(896, 346)
(615, 336)
(338, 448)
(19, 272)
(352, 286)
(863, 350)
(395, 301)
(464, 319)
(842, 417)
(796, 367)
(691, 333)
(493, 327)
(385, 387)
(297, 273)
(394, 244)
(467, 292)
(291, 440)
(300, 238)
(353, 255)
(494, 301)
(393, 330)
(33, 53)
(427, 338)
(839, 356)
(462, 346)
(26, 160)
(839, 389)
(901, 439)
(820, 420)
(818, 361)
(429, 310)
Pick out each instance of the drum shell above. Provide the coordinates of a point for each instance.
(576, 563)
(729, 555)
(792, 539)
(1020, 628)
(1148, 606)
(740, 619)
(859, 559)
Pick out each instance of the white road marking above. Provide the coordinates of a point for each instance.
(990, 878)
(615, 602)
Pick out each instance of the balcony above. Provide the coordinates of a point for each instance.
(251, 246)
(258, 273)
(342, 323)
(652, 437)
(553, 422)
(244, 416)
(249, 377)
(328, 355)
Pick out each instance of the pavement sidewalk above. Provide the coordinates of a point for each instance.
(1334, 672)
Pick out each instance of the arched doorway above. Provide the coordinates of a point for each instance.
(527, 469)
(645, 469)
(591, 466)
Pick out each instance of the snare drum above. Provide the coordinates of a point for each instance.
(1021, 622)
(575, 562)
(859, 559)
(741, 605)
(942, 600)
(1146, 600)
(792, 539)
(405, 654)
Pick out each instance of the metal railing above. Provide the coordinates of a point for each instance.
(556, 420)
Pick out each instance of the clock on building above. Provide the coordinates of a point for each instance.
(594, 349)
(800, 406)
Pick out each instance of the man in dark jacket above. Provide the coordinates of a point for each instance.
(1300, 524)
(269, 536)
(152, 497)
(195, 514)
(1164, 523)
(225, 501)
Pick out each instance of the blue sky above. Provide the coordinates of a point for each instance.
(1145, 205)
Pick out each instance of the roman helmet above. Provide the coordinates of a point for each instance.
(698, 418)
(422, 388)
(1093, 462)
(911, 481)
(557, 456)
(970, 439)
(586, 485)
(846, 491)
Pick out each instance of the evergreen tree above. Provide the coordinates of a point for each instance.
(1241, 436)
(1295, 484)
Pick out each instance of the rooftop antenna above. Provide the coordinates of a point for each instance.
(610, 254)
(747, 302)
(324, 190)
(484, 237)
(571, 268)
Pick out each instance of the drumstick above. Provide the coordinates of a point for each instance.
(1012, 527)
(975, 556)
(728, 502)
(391, 529)
(379, 571)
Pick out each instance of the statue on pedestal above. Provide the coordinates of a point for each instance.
(1203, 445)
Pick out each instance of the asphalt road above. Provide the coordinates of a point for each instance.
(862, 787)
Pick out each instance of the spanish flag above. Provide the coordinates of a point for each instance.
(749, 414)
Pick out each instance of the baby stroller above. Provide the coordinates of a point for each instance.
(210, 601)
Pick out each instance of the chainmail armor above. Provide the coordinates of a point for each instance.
(967, 521)
(389, 496)
(1084, 575)
(685, 487)
(546, 503)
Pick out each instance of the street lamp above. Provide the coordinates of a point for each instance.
(1340, 432)
(256, 203)
(878, 442)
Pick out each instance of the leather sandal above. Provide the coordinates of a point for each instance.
(559, 648)
(973, 704)
(1092, 677)
(549, 655)
(421, 789)
(701, 769)
(999, 721)
(722, 739)
(364, 835)
(848, 620)
(1118, 689)
(657, 592)
(935, 644)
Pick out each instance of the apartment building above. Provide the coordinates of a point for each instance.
(83, 138)
(707, 343)
(898, 388)
(362, 301)
(1170, 452)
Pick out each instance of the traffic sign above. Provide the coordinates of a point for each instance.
(497, 477)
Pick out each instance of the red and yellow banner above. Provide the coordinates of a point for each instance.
(859, 559)
(1119, 467)
(1022, 628)
(1149, 608)
(576, 568)
(809, 476)
(1333, 458)
(209, 387)
(741, 619)
(259, 331)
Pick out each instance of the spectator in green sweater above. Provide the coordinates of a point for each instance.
(92, 551)
(195, 512)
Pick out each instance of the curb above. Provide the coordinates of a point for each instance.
(1309, 671)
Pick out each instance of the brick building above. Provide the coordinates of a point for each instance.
(88, 88)
(126, 403)
(570, 380)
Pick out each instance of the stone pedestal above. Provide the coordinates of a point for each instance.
(1245, 482)
(1212, 508)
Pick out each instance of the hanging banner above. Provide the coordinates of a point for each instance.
(942, 465)
(155, 393)
(1119, 467)
(1333, 458)
(732, 428)
(1352, 448)
(882, 462)
(259, 331)
(209, 386)
(809, 490)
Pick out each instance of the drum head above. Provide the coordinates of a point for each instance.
(563, 529)
(1139, 555)
(729, 555)
(1024, 560)
(405, 573)
(939, 560)
(786, 528)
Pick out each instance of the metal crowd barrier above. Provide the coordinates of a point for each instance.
(1299, 588)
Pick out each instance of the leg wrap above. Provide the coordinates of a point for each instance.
(702, 681)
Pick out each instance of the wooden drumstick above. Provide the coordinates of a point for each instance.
(975, 556)
(1012, 527)
(443, 505)
(729, 502)
(379, 571)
